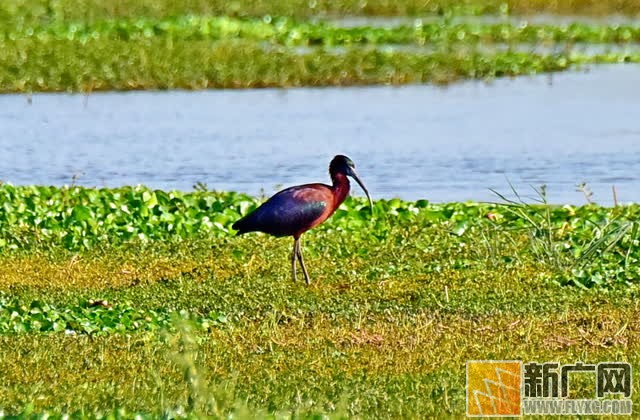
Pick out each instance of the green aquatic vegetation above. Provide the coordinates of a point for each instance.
(75, 217)
(199, 52)
(38, 11)
(357, 372)
(202, 322)
(287, 31)
(587, 245)
(355, 339)
(93, 317)
(63, 65)
(196, 52)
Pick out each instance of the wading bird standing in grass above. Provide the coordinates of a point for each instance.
(295, 210)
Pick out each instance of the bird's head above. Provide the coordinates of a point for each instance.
(341, 164)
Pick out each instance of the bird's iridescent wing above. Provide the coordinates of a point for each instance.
(288, 212)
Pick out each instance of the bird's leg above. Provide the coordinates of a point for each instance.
(304, 269)
(294, 254)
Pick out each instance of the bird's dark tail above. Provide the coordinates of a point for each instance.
(240, 226)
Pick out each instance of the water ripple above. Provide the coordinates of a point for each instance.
(440, 143)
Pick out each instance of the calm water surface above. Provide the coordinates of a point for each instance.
(443, 144)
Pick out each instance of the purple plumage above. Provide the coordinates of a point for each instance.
(293, 211)
(288, 213)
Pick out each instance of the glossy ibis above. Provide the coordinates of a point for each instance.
(295, 210)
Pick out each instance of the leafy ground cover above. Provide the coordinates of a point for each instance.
(78, 218)
(123, 301)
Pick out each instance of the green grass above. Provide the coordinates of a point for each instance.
(30, 11)
(63, 65)
(595, 244)
(373, 367)
(386, 333)
(289, 32)
(55, 46)
(192, 320)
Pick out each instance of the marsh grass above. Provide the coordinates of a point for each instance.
(542, 232)
(210, 324)
(213, 325)
(39, 11)
(62, 65)
(384, 330)
(548, 239)
(289, 32)
(296, 359)
(39, 220)
(186, 51)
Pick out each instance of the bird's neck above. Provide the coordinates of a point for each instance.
(340, 189)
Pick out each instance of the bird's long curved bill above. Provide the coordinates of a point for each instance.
(359, 181)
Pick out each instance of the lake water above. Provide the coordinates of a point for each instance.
(440, 143)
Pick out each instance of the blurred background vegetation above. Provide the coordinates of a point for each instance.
(70, 45)
(41, 11)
